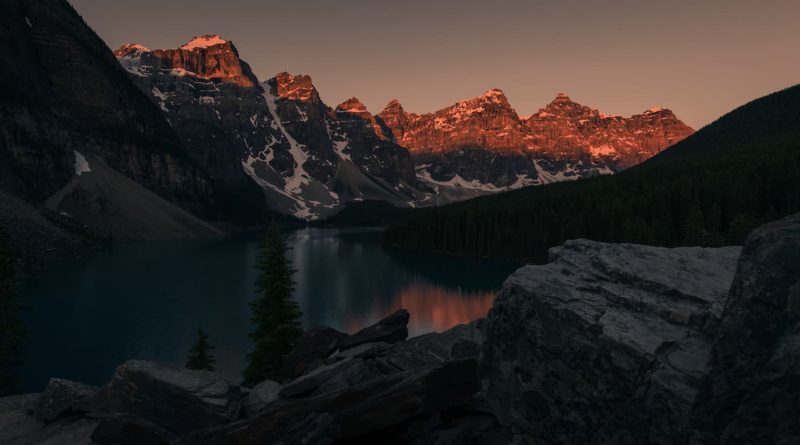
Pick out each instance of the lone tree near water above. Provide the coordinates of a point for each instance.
(12, 331)
(200, 354)
(275, 316)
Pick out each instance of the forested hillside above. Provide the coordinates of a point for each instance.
(710, 189)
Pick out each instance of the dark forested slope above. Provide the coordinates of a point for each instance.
(710, 189)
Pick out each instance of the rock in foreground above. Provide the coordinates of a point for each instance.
(607, 343)
(752, 392)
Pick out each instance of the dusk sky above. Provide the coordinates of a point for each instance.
(699, 58)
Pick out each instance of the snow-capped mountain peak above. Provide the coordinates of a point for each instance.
(202, 42)
(130, 49)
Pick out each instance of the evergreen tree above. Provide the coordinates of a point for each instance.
(275, 316)
(12, 331)
(200, 357)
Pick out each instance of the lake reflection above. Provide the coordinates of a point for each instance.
(146, 300)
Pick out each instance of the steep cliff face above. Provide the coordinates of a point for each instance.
(63, 95)
(563, 141)
(216, 106)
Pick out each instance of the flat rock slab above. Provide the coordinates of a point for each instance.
(606, 343)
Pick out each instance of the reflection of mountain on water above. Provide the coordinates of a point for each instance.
(432, 308)
(349, 280)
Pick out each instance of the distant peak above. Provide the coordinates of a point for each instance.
(352, 105)
(653, 110)
(393, 106)
(130, 49)
(494, 95)
(296, 87)
(562, 97)
(205, 41)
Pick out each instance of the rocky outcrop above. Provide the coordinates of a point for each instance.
(63, 92)
(608, 343)
(177, 400)
(563, 141)
(391, 329)
(312, 349)
(58, 396)
(422, 389)
(260, 396)
(752, 391)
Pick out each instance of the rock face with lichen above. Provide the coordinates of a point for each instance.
(608, 343)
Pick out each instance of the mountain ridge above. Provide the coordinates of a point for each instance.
(477, 146)
(710, 189)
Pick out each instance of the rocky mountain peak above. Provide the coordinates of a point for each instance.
(658, 112)
(203, 42)
(130, 50)
(495, 95)
(352, 105)
(393, 106)
(562, 97)
(207, 57)
(296, 87)
(564, 106)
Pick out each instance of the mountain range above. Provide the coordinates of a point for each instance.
(310, 158)
(148, 144)
(710, 189)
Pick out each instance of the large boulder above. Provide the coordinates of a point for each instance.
(260, 396)
(391, 329)
(58, 396)
(607, 343)
(752, 391)
(178, 400)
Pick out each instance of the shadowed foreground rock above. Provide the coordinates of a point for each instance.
(391, 329)
(370, 407)
(58, 396)
(176, 399)
(607, 343)
(752, 392)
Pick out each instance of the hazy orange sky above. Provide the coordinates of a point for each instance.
(699, 58)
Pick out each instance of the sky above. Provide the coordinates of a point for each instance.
(700, 58)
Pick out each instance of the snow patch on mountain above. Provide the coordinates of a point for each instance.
(81, 164)
(203, 42)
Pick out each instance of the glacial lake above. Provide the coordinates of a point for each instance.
(146, 300)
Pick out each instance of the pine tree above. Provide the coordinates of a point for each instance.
(275, 316)
(12, 331)
(200, 357)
